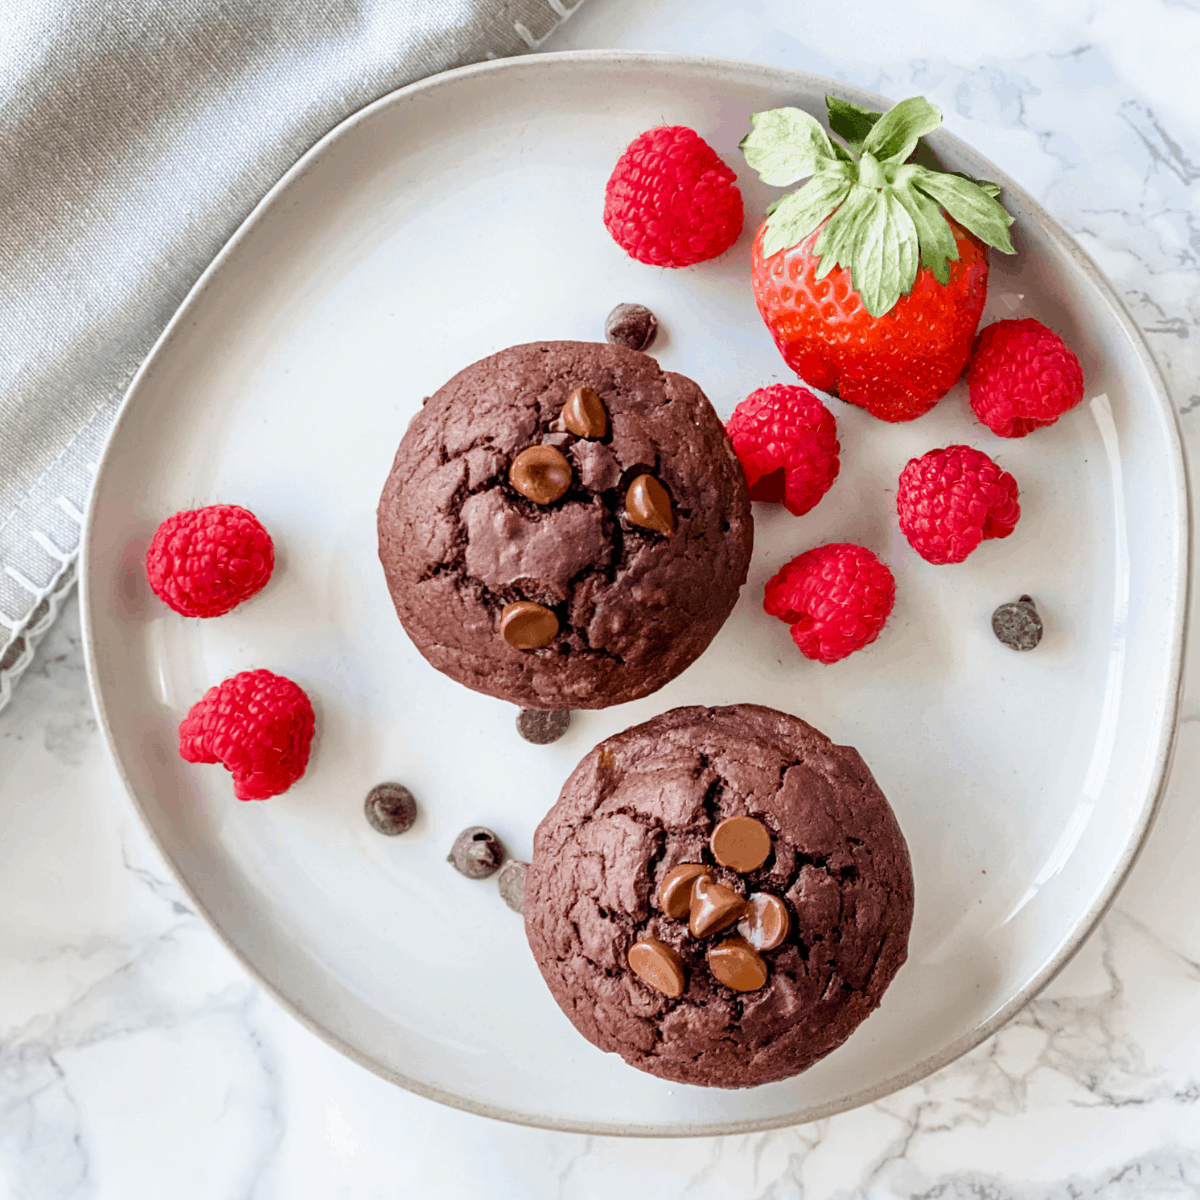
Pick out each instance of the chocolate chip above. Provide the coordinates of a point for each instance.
(675, 895)
(511, 883)
(477, 852)
(541, 726)
(658, 965)
(540, 474)
(632, 325)
(584, 414)
(527, 626)
(648, 504)
(741, 843)
(713, 907)
(1017, 624)
(766, 922)
(737, 965)
(391, 808)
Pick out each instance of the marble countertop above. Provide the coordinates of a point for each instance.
(137, 1059)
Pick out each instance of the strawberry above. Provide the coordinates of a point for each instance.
(873, 276)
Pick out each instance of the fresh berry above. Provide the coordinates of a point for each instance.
(1017, 624)
(872, 277)
(208, 560)
(258, 725)
(1022, 376)
(787, 442)
(836, 598)
(671, 201)
(951, 500)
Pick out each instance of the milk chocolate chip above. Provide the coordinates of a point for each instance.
(714, 907)
(540, 474)
(675, 895)
(584, 414)
(658, 965)
(648, 504)
(736, 964)
(528, 626)
(741, 843)
(766, 922)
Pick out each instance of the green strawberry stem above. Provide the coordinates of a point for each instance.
(885, 213)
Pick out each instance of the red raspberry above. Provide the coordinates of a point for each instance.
(787, 442)
(204, 562)
(259, 725)
(951, 500)
(1021, 377)
(671, 201)
(836, 598)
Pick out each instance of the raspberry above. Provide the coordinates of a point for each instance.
(259, 725)
(671, 201)
(204, 562)
(951, 500)
(787, 442)
(1022, 377)
(836, 598)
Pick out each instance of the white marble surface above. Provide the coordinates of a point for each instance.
(138, 1060)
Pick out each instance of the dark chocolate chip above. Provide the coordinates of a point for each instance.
(511, 882)
(632, 325)
(541, 726)
(1017, 624)
(766, 923)
(477, 852)
(391, 808)
(713, 907)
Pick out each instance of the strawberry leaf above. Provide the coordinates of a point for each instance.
(786, 144)
(850, 121)
(895, 135)
(884, 254)
(969, 205)
(835, 246)
(938, 247)
(794, 217)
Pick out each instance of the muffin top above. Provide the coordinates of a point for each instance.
(705, 787)
(565, 525)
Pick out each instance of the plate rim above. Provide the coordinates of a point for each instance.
(781, 77)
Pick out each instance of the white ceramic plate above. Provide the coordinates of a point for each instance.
(462, 215)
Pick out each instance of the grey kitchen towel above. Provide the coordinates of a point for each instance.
(135, 136)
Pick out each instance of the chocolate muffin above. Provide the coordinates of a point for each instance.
(720, 895)
(565, 525)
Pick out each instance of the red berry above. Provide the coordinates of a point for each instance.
(897, 366)
(787, 442)
(951, 500)
(836, 598)
(259, 725)
(204, 562)
(671, 201)
(1022, 377)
